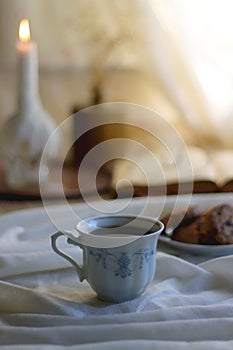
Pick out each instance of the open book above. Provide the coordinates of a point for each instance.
(211, 172)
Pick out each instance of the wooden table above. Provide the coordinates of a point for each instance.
(25, 198)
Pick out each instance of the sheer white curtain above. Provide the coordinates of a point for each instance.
(185, 48)
(197, 45)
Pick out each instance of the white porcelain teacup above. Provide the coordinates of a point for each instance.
(119, 254)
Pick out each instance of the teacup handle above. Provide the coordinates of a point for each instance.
(80, 269)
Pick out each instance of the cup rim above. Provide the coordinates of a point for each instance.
(88, 239)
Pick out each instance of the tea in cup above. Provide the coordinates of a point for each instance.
(119, 254)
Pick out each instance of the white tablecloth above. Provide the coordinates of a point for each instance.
(44, 306)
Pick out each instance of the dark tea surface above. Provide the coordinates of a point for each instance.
(120, 231)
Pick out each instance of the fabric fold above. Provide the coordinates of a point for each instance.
(43, 303)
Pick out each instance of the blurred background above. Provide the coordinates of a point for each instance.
(173, 56)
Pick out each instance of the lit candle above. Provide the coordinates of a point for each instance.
(27, 70)
(25, 135)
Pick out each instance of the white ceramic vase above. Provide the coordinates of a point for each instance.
(24, 136)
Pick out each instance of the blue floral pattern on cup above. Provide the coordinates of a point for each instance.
(122, 264)
(123, 270)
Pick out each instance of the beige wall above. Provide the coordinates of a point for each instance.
(131, 52)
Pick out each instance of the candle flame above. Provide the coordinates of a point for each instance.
(24, 31)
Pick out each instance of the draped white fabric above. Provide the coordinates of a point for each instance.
(43, 306)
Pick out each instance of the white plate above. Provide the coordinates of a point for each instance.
(37, 225)
(204, 201)
(198, 249)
